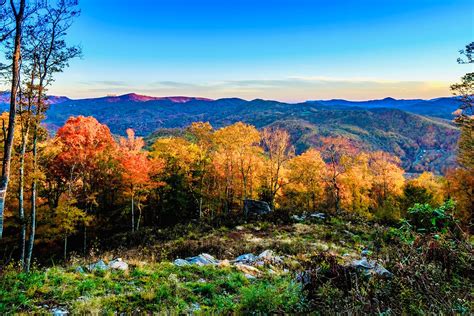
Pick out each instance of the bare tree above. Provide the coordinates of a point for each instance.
(18, 14)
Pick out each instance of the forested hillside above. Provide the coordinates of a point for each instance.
(423, 143)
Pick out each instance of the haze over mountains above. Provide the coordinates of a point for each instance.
(418, 131)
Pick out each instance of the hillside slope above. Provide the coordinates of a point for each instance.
(422, 142)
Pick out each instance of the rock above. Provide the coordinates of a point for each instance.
(304, 277)
(246, 258)
(249, 276)
(202, 259)
(371, 267)
(194, 307)
(256, 208)
(268, 256)
(380, 270)
(318, 215)
(58, 311)
(80, 269)
(118, 264)
(181, 262)
(98, 266)
(246, 269)
(365, 252)
(298, 218)
(362, 263)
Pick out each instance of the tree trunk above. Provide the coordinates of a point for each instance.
(139, 215)
(25, 132)
(133, 214)
(337, 197)
(84, 251)
(31, 240)
(65, 248)
(21, 208)
(200, 207)
(7, 153)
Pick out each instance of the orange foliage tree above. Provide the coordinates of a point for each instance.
(136, 172)
(85, 163)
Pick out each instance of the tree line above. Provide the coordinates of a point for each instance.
(86, 181)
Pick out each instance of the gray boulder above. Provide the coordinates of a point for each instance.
(246, 258)
(256, 208)
(268, 256)
(181, 262)
(118, 264)
(79, 269)
(371, 267)
(298, 218)
(318, 216)
(58, 311)
(98, 266)
(202, 260)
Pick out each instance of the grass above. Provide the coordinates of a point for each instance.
(160, 287)
(431, 275)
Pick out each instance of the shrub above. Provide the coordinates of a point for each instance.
(425, 218)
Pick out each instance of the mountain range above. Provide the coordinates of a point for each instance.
(419, 131)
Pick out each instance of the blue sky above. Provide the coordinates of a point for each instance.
(287, 50)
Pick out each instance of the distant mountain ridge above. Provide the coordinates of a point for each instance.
(133, 97)
(439, 107)
(419, 131)
(442, 107)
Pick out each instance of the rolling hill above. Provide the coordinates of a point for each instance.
(418, 131)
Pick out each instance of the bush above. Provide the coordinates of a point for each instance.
(425, 218)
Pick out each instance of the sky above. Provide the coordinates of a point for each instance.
(288, 50)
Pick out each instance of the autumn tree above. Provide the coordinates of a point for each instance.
(237, 159)
(337, 152)
(67, 219)
(181, 174)
(306, 179)
(277, 145)
(434, 186)
(86, 160)
(357, 182)
(136, 172)
(460, 186)
(387, 183)
(201, 134)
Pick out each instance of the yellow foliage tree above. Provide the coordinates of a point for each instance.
(305, 180)
(387, 183)
(357, 183)
(238, 160)
(434, 185)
